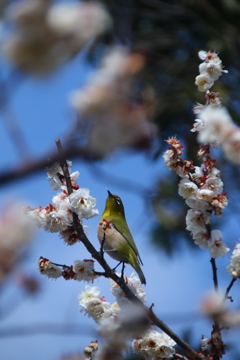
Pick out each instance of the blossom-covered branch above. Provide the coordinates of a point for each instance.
(65, 215)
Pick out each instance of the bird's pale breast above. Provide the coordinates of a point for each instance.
(112, 239)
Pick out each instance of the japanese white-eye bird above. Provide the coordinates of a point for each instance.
(115, 236)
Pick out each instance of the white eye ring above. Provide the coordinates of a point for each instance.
(118, 201)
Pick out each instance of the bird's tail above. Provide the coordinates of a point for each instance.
(138, 269)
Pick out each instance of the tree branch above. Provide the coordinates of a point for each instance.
(110, 273)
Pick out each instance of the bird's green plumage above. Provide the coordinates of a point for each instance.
(119, 242)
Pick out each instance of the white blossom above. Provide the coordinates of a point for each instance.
(205, 194)
(46, 267)
(206, 344)
(196, 220)
(80, 20)
(216, 246)
(187, 188)
(231, 145)
(83, 204)
(214, 69)
(134, 284)
(197, 204)
(218, 124)
(234, 267)
(198, 125)
(84, 270)
(204, 82)
(95, 306)
(154, 345)
(202, 239)
(90, 292)
(212, 303)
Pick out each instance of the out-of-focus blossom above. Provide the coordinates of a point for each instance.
(212, 304)
(95, 306)
(154, 345)
(46, 267)
(217, 125)
(90, 350)
(218, 129)
(130, 323)
(234, 267)
(16, 230)
(29, 283)
(46, 35)
(113, 117)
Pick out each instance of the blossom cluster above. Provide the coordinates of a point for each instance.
(95, 306)
(154, 345)
(210, 70)
(45, 35)
(234, 266)
(57, 216)
(82, 270)
(119, 120)
(214, 123)
(122, 321)
(202, 189)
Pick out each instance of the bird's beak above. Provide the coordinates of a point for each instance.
(109, 194)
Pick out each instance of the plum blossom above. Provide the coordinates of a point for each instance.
(45, 35)
(154, 345)
(234, 267)
(209, 70)
(95, 306)
(113, 118)
(204, 82)
(187, 188)
(83, 204)
(46, 267)
(216, 246)
(134, 284)
(84, 270)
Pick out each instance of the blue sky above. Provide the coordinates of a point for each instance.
(174, 285)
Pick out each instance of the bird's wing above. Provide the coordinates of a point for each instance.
(125, 232)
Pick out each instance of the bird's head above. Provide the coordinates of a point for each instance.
(114, 205)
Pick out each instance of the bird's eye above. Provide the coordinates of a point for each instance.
(118, 201)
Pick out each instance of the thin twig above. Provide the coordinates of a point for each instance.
(229, 288)
(215, 281)
(214, 269)
(30, 167)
